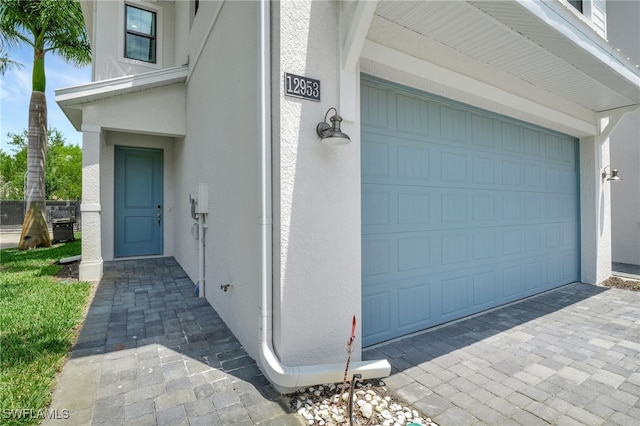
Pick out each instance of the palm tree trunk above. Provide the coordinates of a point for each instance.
(35, 232)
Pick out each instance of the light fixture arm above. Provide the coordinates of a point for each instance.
(335, 115)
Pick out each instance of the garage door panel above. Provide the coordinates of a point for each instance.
(407, 254)
(512, 138)
(483, 171)
(484, 246)
(483, 132)
(412, 115)
(455, 295)
(453, 126)
(378, 321)
(414, 253)
(375, 159)
(374, 106)
(533, 277)
(376, 204)
(414, 301)
(414, 163)
(396, 208)
(388, 159)
(413, 208)
(462, 210)
(484, 289)
(483, 208)
(376, 257)
(446, 294)
(453, 170)
(569, 263)
(512, 282)
(512, 242)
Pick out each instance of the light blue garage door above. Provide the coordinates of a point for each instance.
(462, 210)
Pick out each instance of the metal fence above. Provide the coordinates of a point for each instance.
(12, 212)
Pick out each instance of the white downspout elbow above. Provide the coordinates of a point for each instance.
(286, 378)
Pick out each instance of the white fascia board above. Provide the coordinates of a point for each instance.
(91, 92)
(358, 26)
(555, 15)
(410, 64)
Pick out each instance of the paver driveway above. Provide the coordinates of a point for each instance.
(570, 356)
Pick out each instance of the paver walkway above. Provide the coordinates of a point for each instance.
(567, 357)
(151, 352)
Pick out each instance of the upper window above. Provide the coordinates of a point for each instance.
(140, 34)
(577, 4)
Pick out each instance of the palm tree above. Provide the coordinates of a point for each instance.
(6, 62)
(48, 26)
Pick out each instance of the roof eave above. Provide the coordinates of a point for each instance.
(574, 41)
(72, 99)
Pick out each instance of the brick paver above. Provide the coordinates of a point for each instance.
(152, 353)
(568, 356)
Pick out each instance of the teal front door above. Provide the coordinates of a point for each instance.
(138, 202)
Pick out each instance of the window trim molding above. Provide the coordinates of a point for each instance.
(588, 16)
(122, 32)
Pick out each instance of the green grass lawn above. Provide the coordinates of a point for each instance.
(39, 316)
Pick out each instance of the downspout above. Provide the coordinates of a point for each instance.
(202, 225)
(285, 377)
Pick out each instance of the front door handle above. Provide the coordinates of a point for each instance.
(159, 214)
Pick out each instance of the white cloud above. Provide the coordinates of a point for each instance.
(15, 83)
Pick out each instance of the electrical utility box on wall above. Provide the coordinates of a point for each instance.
(202, 205)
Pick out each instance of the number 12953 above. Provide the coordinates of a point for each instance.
(302, 87)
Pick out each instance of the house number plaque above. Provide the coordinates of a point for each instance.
(301, 87)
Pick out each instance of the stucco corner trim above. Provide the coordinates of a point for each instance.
(91, 270)
(90, 207)
(91, 128)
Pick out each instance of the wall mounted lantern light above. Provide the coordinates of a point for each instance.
(613, 175)
(331, 134)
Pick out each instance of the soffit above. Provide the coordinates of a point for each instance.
(512, 40)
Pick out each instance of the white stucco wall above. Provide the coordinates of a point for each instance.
(317, 195)
(624, 34)
(158, 111)
(221, 150)
(625, 194)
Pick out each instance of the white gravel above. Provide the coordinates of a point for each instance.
(372, 405)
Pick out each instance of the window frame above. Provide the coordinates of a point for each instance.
(151, 37)
(122, 23)
(577, 4)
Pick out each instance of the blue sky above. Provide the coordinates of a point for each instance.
(15, 92)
